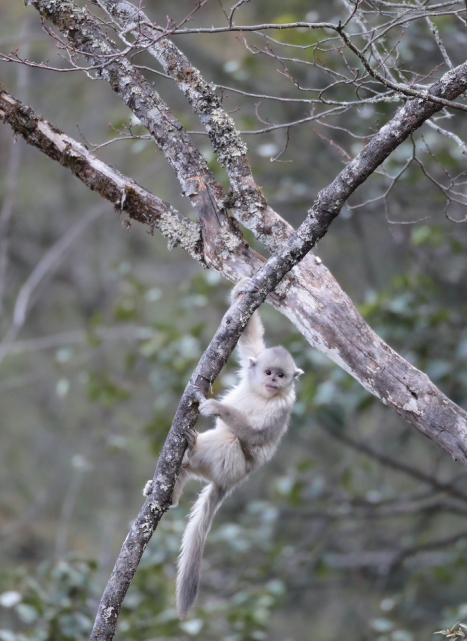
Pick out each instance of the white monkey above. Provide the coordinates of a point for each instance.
(251, 419)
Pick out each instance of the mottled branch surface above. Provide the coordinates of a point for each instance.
(245, 197)
(126, 195)
(292, 250)
(198, 184)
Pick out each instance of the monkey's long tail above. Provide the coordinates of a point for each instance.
(194, 538)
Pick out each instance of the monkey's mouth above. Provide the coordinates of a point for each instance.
(271, 388)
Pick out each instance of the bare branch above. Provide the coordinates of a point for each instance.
(124, 193)
(198, 184)
(448, 134)
(313, 300)
(234, 8)
(46, 267)
(404, 89)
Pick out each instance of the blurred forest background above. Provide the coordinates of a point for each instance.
(357, 529)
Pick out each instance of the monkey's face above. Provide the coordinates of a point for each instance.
(272, 371)
(274, 378)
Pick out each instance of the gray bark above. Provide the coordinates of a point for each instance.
(125, 194)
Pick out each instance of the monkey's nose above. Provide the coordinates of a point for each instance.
(273, 380)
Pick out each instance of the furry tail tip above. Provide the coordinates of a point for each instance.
(189, 564)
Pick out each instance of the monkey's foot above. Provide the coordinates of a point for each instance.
(191, 435)
(209, 407)
(147, 488)
(245, 286)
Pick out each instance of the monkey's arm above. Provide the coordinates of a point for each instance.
(237, 421)
(251, 341)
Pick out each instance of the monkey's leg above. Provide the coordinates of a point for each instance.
(191, 437)
(182, 479)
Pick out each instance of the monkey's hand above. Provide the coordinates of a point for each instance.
(210, 407)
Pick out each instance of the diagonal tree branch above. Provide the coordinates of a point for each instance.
(344, 336)
(205, 194)
(245, 198)
(289, 254)
(124, 193)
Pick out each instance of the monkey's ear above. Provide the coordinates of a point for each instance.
(298, 372)
(252, 361)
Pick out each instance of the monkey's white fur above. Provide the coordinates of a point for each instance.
(251, 419)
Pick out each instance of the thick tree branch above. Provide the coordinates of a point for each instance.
(124, 193)
(324, 314)
(206, 195)
(245, 197)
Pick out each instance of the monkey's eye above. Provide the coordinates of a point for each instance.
(268, 372)
(281, 375)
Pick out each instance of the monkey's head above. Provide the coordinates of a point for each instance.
(272, 370)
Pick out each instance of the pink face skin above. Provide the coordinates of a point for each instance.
(271, 371)
(275, 378)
